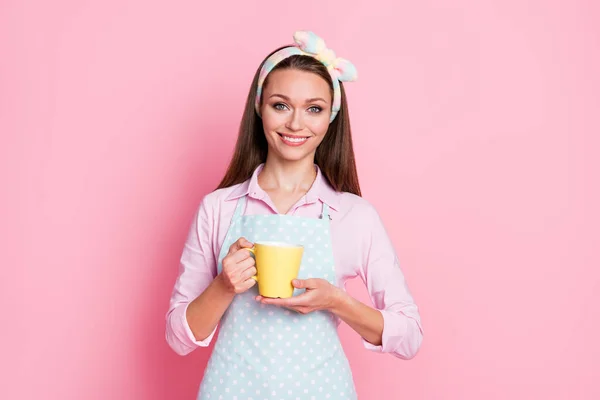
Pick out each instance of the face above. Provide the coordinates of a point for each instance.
(295, 110)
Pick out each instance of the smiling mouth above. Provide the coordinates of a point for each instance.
(293, 139)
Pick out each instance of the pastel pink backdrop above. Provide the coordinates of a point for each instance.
(476, 128)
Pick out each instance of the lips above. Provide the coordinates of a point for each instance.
(292, 140)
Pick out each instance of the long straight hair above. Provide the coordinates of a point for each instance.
(334, 156)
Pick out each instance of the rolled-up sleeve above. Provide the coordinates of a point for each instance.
(197, 269)
(387, 287)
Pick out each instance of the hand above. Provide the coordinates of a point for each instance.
(319, 295)
(238, 267)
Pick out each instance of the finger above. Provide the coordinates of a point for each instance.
(245, 264)
(311, 283)
(295, 301)
(239, 244)
(238, 272)
(260, 298)
(240, 255)
(275, 302)
(247, 284)
(248, 273)
(298, 283)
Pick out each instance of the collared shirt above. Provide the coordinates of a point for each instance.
(361, 247)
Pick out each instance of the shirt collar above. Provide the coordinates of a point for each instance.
(320, 190)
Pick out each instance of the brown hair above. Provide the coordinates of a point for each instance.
(334, 156)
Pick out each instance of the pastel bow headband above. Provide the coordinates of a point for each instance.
(309, 44)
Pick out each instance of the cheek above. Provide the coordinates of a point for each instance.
(272, 121)
(320, 126)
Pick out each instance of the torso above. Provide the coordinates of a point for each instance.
(269, 352)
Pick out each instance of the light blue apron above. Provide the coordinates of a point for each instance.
(269, 352)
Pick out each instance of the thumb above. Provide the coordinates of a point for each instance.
(239, 244)
(298, 283)
(245, 243)
(304, 283)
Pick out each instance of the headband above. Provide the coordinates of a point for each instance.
(309, 44)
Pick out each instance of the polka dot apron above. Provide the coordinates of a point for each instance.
(268, 352)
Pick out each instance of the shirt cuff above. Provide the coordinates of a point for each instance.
(394, 332)
(182, 332)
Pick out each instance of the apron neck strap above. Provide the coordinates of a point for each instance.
(325, 212)
(240, 207)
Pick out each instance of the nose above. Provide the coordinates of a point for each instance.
(295, 121)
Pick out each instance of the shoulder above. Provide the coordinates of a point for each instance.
(357, 209)
(350, 202)
(212, 202)
(220, 195)
(360, 225)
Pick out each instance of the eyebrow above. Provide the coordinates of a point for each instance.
(311, 100)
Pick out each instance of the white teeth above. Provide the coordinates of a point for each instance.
(294, 140)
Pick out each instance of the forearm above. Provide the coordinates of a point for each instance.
(365, 320)
(204, 313)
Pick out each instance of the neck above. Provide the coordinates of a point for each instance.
(287, 176)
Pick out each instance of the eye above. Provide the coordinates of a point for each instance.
(280, 106)
(315, 109)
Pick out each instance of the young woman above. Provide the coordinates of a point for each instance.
(292, 179)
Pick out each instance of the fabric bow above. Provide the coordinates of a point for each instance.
(311, 43)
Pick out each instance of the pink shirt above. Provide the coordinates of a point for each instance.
(361, 247)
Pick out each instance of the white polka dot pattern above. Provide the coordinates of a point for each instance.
(266, 352)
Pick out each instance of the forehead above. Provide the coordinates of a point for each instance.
(297, 84)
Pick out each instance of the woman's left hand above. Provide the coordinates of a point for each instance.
(319, 295)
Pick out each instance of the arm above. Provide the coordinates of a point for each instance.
(369, 323)
(402, 332)
(322, 295)
(197, 271)
(365, 320)
(200, 297)
(394, 326)
(205, 312)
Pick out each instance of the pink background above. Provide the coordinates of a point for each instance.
(477, 134)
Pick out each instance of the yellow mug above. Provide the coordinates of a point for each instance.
(277, 264)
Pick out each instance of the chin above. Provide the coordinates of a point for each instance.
(294, 156)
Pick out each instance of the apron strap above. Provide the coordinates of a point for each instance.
(240, 207)
(325, 212)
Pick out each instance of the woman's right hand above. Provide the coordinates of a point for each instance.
(238, 267)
